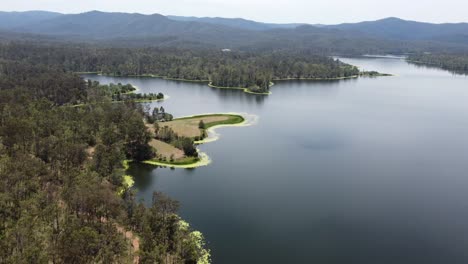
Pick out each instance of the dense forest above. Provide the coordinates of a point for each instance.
(385, 36)
(119, 93)
(63, 198)
(64, 143)
(224, 69)
(457, 63)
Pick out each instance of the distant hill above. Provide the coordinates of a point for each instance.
(236, 22)
(9, 20)
(101, 25)
(399, 29)
(391, 35)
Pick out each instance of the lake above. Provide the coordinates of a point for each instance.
(372, 170)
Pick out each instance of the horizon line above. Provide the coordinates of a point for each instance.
(247, 19)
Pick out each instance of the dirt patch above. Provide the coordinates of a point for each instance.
(166, 150)
(150, 128)
(134, 241)
(189, 127)
(90, 151)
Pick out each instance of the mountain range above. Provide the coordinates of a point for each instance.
(388, 35)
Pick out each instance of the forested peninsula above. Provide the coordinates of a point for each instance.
(65, 143)
(175, 139)
(254, 72)
(119, 93)
(63, 195)
(457, 63)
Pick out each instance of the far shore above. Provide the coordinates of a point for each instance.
(317, 79)
(246, 90)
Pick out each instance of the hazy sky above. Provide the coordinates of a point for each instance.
(307, 11)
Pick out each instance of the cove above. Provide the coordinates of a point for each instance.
(368, 170)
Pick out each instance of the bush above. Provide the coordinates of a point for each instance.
(201, 125)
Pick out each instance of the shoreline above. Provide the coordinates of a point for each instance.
(119, 102)
(317, 79)
(204, 159)
(377, 75)
(127, 180)
(245, 90)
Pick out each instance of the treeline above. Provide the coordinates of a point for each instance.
(166, 134)
(62, 194)
(118, 93)
(457, 63)
(40, 82)
(226, 69)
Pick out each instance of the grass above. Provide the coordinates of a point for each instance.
(189, 127)
(166, 150)
(127, 180)
(232, 120)
(126, 164)
(182, 161)
(188, 163)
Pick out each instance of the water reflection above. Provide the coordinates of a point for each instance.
(239, 95)
(139, 172)
(371, 170)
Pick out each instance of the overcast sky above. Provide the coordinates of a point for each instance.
(281, 11)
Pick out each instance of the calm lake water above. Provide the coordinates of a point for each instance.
(357, 171)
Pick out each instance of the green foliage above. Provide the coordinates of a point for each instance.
(164, 231)
(81, 242)
(187, 145)
(233, 119)
(61, 168)
(254, 71)
(166, 134)
(457, 63)
(118, 93)
(201, 125)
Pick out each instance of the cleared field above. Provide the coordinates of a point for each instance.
(188, 126)
(166, 150)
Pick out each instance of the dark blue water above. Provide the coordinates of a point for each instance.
(356, 171)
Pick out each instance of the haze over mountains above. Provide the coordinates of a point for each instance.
(388, 35)
(236, 22)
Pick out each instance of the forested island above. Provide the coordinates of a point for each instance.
(457, 63)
